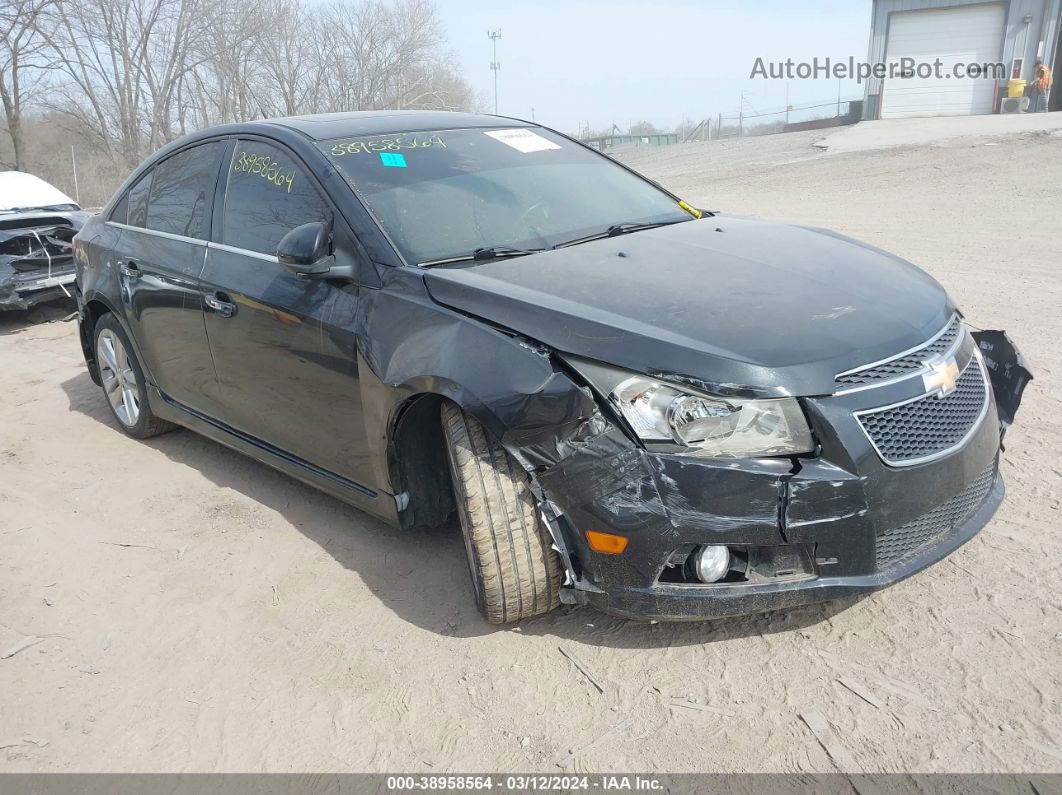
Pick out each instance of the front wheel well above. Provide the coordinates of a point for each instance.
(420, 467)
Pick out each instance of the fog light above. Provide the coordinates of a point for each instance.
(711, 563)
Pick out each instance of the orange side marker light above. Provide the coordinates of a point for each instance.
(606, 543)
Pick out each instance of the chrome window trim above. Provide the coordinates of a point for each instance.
(209, 244)
(157, 233)
(959, 338)
(940, 453)
(244, 251)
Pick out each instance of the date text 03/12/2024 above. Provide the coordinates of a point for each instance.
(523, 783)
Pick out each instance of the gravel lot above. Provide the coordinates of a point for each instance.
(191, 610)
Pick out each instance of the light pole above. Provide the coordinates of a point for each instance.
(494, 35)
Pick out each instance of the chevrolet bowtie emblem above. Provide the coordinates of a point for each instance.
(942, 377)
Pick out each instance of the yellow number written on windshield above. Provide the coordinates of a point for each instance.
(393, 144)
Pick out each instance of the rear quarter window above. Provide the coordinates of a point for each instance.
(120, 213)
(138, 200)
(132, 209)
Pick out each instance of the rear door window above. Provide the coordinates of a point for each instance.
(181, 191)
(269, 193)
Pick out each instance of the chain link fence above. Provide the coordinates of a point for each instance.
(793, 118)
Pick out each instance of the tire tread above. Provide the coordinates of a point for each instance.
(518, 568)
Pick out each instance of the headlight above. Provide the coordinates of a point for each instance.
(712, 426)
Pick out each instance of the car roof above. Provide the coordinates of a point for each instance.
(325, 126)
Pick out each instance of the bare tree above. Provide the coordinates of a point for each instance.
(289, 59)
(228, 86)
(127, 76)
(123, 60)
(388, 56)
(21, 70)
(362, 56)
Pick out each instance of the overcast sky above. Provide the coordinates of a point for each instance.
(617, 60)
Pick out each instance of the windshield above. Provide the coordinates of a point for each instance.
(447, 193)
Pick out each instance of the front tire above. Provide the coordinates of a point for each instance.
(122, 381)
(515, 571)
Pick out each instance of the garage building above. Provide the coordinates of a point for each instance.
(1015, 33)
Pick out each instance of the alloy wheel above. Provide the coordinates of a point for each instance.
(119, 380)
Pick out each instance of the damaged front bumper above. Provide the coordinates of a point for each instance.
(36, 258)
(804, 551)
(843, 522)
(784, 589)
(27, 289)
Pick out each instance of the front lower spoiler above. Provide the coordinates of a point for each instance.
(696, 602)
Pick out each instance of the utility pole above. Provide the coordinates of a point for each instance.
(740, 118)
(73, 165)
(838, 97)
(532, 114)
(494, 35)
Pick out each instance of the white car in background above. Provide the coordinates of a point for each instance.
(37, 226)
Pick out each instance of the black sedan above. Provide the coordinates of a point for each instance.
(661, 411)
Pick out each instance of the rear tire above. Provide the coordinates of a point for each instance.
(515, 571)
(122, 381)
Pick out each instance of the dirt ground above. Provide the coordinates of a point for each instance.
(192, 610)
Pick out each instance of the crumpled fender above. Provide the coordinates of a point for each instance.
(440, 354)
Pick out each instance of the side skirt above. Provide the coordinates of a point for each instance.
(378, 503)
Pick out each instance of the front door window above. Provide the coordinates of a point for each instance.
(268, 195)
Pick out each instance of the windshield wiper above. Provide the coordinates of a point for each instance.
(481, 254)
(505, 252)
(619, 229)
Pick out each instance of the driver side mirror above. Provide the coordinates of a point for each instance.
(306, 250)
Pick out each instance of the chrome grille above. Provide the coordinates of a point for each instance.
(929, 426)
(898, 544)
(908, 363)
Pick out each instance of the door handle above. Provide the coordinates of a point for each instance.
(129, 270)
(219, 303)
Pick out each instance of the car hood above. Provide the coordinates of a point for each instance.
(19, 189)
(725, 302)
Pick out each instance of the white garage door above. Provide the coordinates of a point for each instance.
(967, 35)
